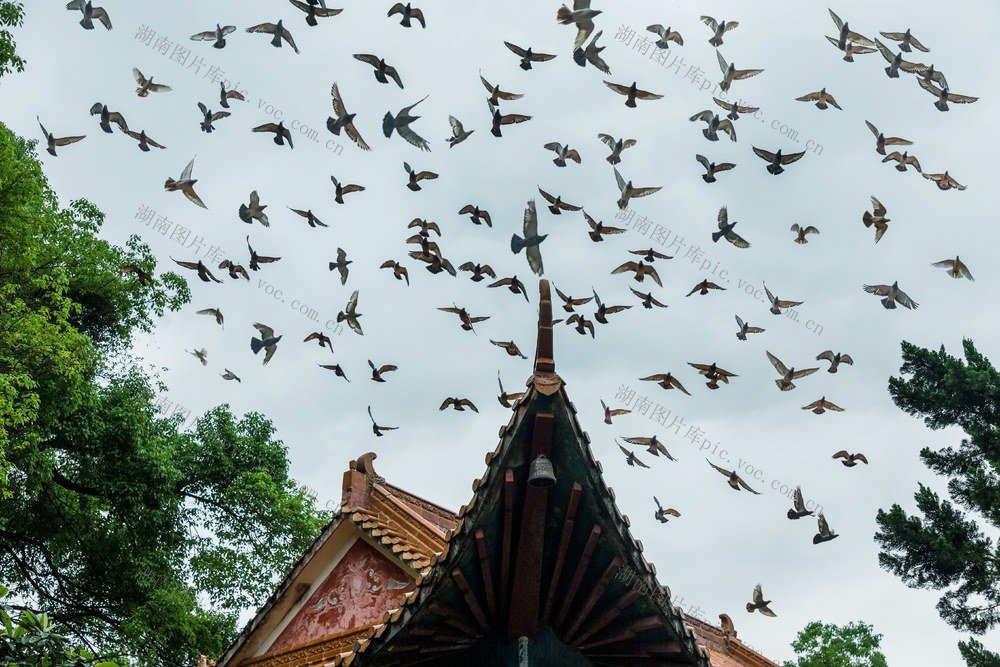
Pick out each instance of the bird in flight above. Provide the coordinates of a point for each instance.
(344, 120)
(616, 146)
(504, 397)
(745, 329)
(382, 69)
(632, 93)
(944, 181)
(226, 95)
(458, 132)
(956, 268)
(401, 123)
(496, 94)
(278, 30)
(711, 168)
(719, 27)
(647, 299)
(528, 56)
(713, 373)
(630, 457)
(881, 141)
(802, 231)
(458, 404)
(89, 13)
(208, 117)
(735, 481)
(822, 99)
(799, 506)
(52, 141)
(609, 413)
(877, 218)
(214, 312)
(144, 141)
(254, 211)
(714, 125)
(822, 405)
(408, 13)
(788, 374)
(351, 314)
(321, 338)
(467, 320)
(376, 429)
(703, 287)
(267, 341)
(583, 16)
(591, 54)
(775, 160)
(557, 204)
(759, 603)
(531, 240)
(850, 460)
(652, 445)
(666, 380)
(416, 176)
(281, 133)
(108, 117)
(666, 36)
(730, 73)
(200, 267)
(312, 11)
(892, 294)
(726, 230)
(337, 370)
(641, 271)
(256, 260)
(185, 184)
(510, 348)
(906, 40)
(777, 304)
(218, 35)
(146, 86)
(661, 512)
(824, 534)
(835, 359)
(398, 270)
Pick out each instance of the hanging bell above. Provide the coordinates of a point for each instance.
(541, 473)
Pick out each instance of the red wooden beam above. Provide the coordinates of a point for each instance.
(470, 599)
(567, 532)
(484, 566)
(595, 594)
(581, 568)
(527, 581)
(508, 531)
(452, 619)
(607, 617)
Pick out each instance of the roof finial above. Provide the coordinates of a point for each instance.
(544, 378)
(544, 363)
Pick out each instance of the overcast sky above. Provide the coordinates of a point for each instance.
(724, 542)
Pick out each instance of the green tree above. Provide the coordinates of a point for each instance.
(31, 640)
(11, 14)
(976, 655)
(828, 645)
(944, 547)
(131, 534)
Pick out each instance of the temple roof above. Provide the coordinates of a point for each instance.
(538, 563)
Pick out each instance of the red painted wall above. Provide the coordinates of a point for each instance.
(362, 587)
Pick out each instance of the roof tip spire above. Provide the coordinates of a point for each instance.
(544, 377)
(544, 363)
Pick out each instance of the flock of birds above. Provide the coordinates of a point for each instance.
(424, 246)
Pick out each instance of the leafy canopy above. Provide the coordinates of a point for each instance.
(828, 645)
(126, 531)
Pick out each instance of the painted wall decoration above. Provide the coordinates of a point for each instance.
(362, 587)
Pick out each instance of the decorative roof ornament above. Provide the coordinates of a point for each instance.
(545, 379)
